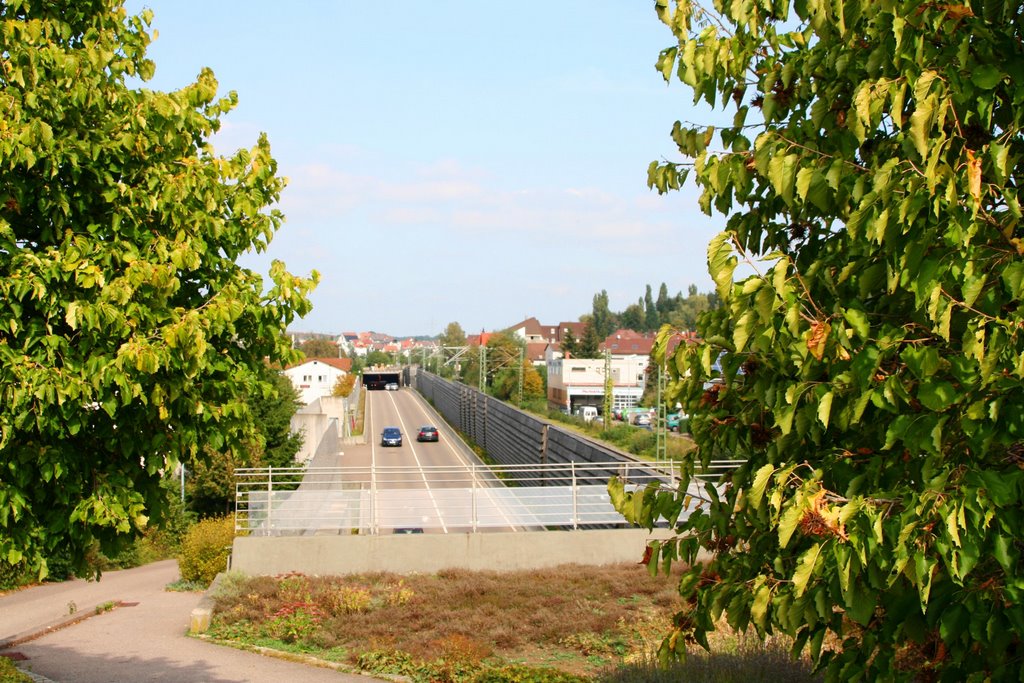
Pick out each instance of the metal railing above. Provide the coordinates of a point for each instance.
(390, 498)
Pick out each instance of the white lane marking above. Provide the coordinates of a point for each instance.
(486, 485)
(419, 466)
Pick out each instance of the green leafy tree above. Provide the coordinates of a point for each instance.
(633, 317)
(686, 312)
(453, 335)
(503, 352)
(453, 338)
(664, 302)
(273, 409)
(377, 358)
(506, 382)
(210, 480)
(872, 369)
(603, 319)
(129, 336)
(651, 318)
(319, 348)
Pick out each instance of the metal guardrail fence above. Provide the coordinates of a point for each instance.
(401, 499)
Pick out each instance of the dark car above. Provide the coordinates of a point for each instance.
(391, 436)
(428, 433)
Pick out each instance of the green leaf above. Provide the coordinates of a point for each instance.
(1003, 551)
(759, 606)
(805, 569)
(1002, 490)
(1013, 278)
(825, 408)
(986, 76)
(937, 395)
(756, 494)
(666, 63)
(743, 329)
(858, 321)
(789, 522)
(972, 289)
(920, 125)
(923, 566)
(722, 263)
(923, 361)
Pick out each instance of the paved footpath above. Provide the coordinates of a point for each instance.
(146, 641)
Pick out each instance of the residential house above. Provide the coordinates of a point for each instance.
(532, 332)
(316, 377)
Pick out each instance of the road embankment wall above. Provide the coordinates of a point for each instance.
(410, 553)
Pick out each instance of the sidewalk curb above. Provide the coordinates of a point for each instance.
(308, 660)
(57, 624)
(199, 620)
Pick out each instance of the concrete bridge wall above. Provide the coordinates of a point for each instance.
(411, 553)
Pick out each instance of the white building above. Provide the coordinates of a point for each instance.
(576, 382)
(316, 377)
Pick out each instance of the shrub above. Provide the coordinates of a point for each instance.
(205, 549)
(12, 674)
(640, 440)
(349, 599)
(14, 575)
(294, 621)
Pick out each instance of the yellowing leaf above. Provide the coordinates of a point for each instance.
(817, 338)
(974, 175)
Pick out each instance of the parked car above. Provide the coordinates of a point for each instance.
(428, 433)
(672, 421)
(391, 436)
(641, 420)
(391, 386)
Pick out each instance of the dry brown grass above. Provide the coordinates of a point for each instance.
(579, 620)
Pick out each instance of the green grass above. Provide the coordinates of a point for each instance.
(183, 586)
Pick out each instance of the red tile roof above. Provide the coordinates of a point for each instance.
(343, 364)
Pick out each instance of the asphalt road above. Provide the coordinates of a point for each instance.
(408, 411)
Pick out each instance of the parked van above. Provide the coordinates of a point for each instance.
(588, 413)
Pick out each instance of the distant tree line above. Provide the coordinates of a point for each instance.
(648, 314)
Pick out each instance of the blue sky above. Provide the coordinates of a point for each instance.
(476, 162)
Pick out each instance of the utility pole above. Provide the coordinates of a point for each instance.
(609, 390)
(522, 359)
(483, 369)
(661, 440)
